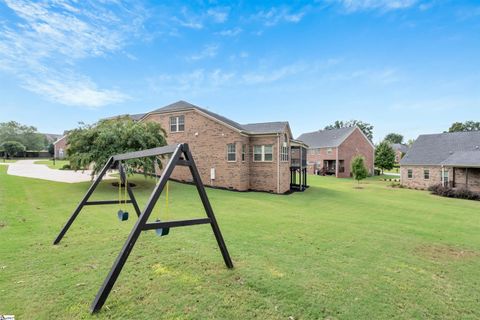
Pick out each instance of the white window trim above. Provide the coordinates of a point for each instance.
(408, 170)
(428, 174)
(234, 153)
(263, 153)
(177, 124)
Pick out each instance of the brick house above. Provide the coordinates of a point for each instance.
(230, 155)
(330, 152)
(452, 159)
(60, 147)
(400, 150)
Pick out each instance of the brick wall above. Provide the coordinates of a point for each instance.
(473, 178)
(356, 144)
(208, 141)
(418, 181)
(315, 156)
(61, 145)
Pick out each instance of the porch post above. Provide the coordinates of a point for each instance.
(466, 178)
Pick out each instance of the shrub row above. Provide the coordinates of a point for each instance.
(461, 193)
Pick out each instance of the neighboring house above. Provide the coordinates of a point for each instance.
(60, 147)
(400, 150)
(452, 159)
(51, 137)
(330, 152)
(230, 155)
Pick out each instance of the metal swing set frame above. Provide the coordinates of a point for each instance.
(180, 156)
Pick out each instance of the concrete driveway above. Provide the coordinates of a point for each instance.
(28, 169)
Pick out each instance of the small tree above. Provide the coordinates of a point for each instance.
(95, 144)
(51, 149)
(12, 148)
(358, 168)
(384, 156)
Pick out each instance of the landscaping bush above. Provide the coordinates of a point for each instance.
(462, 193)
(66, 167)
(377, 172)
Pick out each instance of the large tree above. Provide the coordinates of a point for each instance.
(12, 148)
(367, 128)
(384, 156)
(95, 144)
(465, 126)
(394, 138)
(358, 168)
(26, 135)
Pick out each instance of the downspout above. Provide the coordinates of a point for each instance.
(278, 163)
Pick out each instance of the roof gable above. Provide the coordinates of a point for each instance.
(326, 138)
(434, 149)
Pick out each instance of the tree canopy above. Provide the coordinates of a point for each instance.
(358, 168)
(384, 156)
(95, 144)
(12, 148)
(26, 135)
(465, 126)
(367, 128)
(394, 138)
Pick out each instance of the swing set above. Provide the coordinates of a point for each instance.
(180, 156)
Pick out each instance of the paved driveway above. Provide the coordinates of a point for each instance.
(27, 168)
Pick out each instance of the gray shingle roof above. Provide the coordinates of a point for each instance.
(253, 128)
(400, 147)
(326, 138)
(183, 106)
(463, 158)
(266, 127)
(434, 149)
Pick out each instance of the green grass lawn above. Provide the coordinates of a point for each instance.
(332, 252)
(7, 161)
(58, 163)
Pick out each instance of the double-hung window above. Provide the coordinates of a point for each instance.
(244, 152)
(231, 152)
(263, 153)
(177, 124)
(426, 174)
(410, 174)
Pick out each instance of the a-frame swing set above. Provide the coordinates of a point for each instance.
(180, 156)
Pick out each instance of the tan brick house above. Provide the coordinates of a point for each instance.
(452, 159)
(400, 150)
(330, 152)
(229, 155)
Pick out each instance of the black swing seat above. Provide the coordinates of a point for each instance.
(122, 215)
(162, 232)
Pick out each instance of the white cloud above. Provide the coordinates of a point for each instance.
(209, 51)
(384, 5)
(230, 32)
(42, 44)
(218, 15)
(272, 75)
(274, 16)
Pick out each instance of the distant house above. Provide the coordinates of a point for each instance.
(60, 147)
(330, 152)
(400, 150)
(256, 156)
(51, 137)
(452, 159)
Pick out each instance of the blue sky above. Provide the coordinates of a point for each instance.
(406, 66)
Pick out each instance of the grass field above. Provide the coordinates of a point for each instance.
(7, 161)
(58, 163)
(333, 252)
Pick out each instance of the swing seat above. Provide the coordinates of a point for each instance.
(122, 215)
(163, 231)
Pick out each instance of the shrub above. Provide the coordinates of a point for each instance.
(461, 193)
(66, 167)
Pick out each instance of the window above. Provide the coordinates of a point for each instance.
(177, 124)
(426, 174)
(329, 151)
(263, 153)
(341, 166)
(410, 174)
(231, 152)
(244, 152)
(284, 150)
